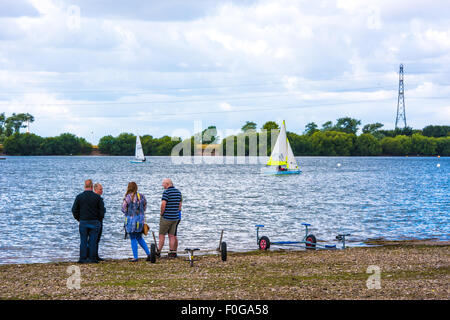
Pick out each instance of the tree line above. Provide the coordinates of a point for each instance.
(331, 139)
(124, 145)
(17, 143)
(13, 124)
(29, 144)
(341, 139)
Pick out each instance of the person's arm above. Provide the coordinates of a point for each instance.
(125, 206)
(164, 201)
(145, 203)
(102, 209)
(76, 209)
(163, 207)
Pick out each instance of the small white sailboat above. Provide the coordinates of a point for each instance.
(282, 160)
(139, 153)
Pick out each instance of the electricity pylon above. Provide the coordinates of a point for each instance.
(401, 115)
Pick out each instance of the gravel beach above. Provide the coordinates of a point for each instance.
(407, 270)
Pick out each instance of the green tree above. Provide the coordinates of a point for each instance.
(421, 145)
(270, 125)
(51, 146)
(310, 128)
(2, 127)
(347, 125)
(2, 123)
(436, 131)
(23, 144)
(301, 144)
(367, 145)
(249, 125)
(397, 146)
(17, 121)
(85, 147)
(122, 145)
(327, 126)
(68, 144)
(125, 144)
(65, 144)
(332, 143)
(372, 128)
(165, 145)
(443, 146)
(406, 131)
(148, 145)
(106, 144)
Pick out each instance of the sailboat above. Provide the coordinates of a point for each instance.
(139, 153)
(282, 160)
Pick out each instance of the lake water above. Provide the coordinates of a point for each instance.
(392, 198)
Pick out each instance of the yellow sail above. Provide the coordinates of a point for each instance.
(282, 154)
(272, 162)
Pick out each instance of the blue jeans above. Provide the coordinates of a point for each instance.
(136, 237)
(89, 232)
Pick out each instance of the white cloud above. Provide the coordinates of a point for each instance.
(281, 53)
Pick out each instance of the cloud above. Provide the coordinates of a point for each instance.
(17, 8)
(172, 63)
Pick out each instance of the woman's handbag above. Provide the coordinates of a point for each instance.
(145, 229)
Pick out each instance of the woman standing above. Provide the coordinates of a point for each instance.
(134, 206)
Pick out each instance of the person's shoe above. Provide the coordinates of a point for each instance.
(92, 261)
(172, 255)
(100, 259)
(133, 260)
(158, 254)
(82, 261)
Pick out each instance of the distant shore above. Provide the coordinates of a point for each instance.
(110, 155)
(408, 270)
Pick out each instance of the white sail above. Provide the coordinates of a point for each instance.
(291, 162)
(139, 152)
(282, 154)
(279, 151)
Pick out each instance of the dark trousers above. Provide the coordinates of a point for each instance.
(98, 240)
(89, 232)
(99, 237)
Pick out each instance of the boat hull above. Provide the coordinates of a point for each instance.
(280, 173)
(136, 161)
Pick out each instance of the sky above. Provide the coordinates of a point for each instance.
(95, 68)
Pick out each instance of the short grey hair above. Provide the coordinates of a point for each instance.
(97, 185)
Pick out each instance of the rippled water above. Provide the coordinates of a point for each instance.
(394, 198)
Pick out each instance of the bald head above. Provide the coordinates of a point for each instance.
(88, 184)
(166, 183)
(98, 189)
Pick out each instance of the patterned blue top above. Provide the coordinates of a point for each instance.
(173, 198)
(134, 212)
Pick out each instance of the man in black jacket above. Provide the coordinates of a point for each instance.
(98, 189)
(88, 209)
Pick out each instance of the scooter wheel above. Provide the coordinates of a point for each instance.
(152, 253)
(264, 243)
(310, 242)
(223, 251)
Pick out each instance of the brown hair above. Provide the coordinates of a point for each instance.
(132, 188)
